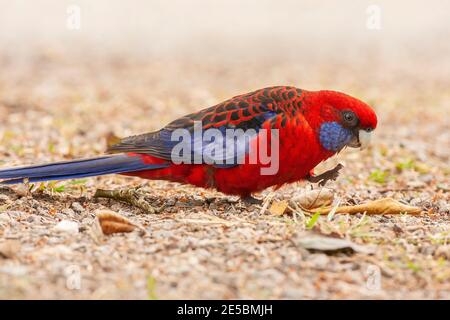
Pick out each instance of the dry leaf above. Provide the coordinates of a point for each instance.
(318, 242)
(443, 252)
(21, 189)
(278, 207)
(112, 222)
(314, 198)
(112, 139)
(380, 206)
(9, 248)
(96, 232)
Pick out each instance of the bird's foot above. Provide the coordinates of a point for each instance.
(323, 178)
(249, 200)
(134, 197)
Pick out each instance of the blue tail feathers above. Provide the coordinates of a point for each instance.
(77, 169)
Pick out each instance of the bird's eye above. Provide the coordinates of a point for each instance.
(368, 129)
(350, 118)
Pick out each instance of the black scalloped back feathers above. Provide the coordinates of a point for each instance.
(246, 111)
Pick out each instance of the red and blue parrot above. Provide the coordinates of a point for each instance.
(311, 127)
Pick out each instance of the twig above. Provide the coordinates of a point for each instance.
(266, 203)
(130, 196)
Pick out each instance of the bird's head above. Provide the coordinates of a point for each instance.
(340, 120)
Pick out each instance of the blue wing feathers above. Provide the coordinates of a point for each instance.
(160, 144)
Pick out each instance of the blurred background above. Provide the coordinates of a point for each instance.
(236, 28)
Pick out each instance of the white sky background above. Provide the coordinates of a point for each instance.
(241, 28)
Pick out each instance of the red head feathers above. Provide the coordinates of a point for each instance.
(335, 114)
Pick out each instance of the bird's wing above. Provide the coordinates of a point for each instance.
(249, 113)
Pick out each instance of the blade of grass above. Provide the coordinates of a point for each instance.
(311, 222)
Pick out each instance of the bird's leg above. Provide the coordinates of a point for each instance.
(323, 178)
(134, 197)
(250, 200)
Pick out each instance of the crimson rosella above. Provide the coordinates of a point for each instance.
(307, 127)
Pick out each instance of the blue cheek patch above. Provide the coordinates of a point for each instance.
(333, 136)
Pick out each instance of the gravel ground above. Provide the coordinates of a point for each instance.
(55, 105)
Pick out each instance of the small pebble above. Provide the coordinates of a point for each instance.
(443, 252)
(67, 226)
(4, 218)
(77, 207)
(68, 212)
(34, 219)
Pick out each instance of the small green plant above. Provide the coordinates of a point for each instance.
(19, 150)
(61, 188)
(405, 165)
(78, 182)
(55, 186)
(412, 266)
(51, 147)
(4, 207)
(379, 176)
(151, 288)
(311, 222)
(410, 164)
(50, 186)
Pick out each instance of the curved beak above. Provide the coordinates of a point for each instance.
(361, 139)
(364, 138)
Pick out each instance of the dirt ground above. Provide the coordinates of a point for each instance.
(57, 105)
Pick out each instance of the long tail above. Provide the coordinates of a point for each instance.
(77, 169)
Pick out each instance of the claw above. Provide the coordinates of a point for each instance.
(250, 200)
(323, 178)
